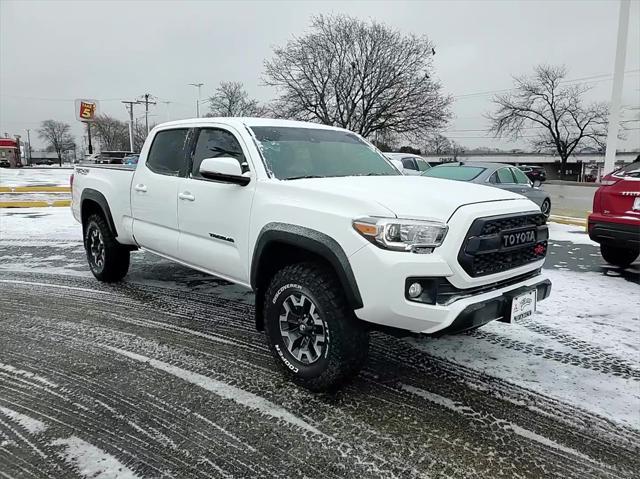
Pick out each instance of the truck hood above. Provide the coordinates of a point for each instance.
(413, 197)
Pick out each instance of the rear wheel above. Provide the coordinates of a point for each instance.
(108, 259)
(617, 256)
(313, 334)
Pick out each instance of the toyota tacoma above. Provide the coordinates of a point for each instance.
(332, 239)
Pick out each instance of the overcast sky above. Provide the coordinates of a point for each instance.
(52, 52)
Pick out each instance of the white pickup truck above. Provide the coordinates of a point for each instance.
(319, 224)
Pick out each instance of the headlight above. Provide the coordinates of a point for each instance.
(401, 235)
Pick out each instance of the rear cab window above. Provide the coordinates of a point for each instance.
(167, 155)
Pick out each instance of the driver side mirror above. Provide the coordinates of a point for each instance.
(536, 183)
(224, 169)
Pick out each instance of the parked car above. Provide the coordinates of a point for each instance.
(615, 221)
(331, 238)
(412, 165)
(534, 173)
(112, 157)
(130, 160)
(499, 175)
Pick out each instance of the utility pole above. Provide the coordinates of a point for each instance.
(199, 85)
(616, 91)
(28, 146)
(129, 107)
(146, 97)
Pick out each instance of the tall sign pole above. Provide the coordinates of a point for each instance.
(616, 91)
(199, 86)
(87, 112)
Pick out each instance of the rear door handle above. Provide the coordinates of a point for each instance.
(140, 187)
(185, 195)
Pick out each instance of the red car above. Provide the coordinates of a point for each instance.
(615, 221)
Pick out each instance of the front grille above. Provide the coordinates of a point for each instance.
(483, 252)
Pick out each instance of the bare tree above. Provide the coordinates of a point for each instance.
(231, 99)
(438, 144)
(57, 136)
(359, 75)
(553, 111)
(113, 134)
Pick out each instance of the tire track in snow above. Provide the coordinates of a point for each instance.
(602, 364)
(225, 391)
(395, 401)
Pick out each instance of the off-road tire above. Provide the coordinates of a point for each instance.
(347, 339)
(617, 256)
(115, 263)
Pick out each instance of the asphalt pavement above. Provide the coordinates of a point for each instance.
(570, 200)
(164, 375)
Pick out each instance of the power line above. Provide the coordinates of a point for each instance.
(602, 77)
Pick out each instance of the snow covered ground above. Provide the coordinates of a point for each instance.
(53, 176)
(126, 374)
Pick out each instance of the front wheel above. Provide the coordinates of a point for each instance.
(617, 256)
(108, 259)
(545, 208)
(314, 336)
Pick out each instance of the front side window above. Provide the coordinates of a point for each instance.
(520, 177)
(292, 153)
(423, 165)
(216, 143)
(167, 153)
(460, 173)
(505, 176)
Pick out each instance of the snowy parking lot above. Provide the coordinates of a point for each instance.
(165, 375)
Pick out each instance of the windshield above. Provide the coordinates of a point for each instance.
(292, 153)
(460, 173)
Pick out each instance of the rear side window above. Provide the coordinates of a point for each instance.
(216, 143)
(167, 154)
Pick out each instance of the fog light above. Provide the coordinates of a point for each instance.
(415, 290)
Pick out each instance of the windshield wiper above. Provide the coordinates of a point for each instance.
(302, 177)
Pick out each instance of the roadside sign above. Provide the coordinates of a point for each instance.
(87, 110)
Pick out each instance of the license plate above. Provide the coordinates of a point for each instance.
(524, 305)
(518, 238)
(636, 204)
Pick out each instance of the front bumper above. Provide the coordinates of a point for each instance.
(385, 303)
(480, 313)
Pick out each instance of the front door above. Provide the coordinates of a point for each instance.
(154, 192)
(214, 216)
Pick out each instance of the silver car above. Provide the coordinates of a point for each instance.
(499, 175)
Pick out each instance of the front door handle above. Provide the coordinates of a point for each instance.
(185, 195)
(140, 187)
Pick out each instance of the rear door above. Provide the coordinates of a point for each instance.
(154, 192)
(213, 215)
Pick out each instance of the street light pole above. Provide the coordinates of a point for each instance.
(616, 91)
(199, 85)
(129, 106)
(28, 146)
